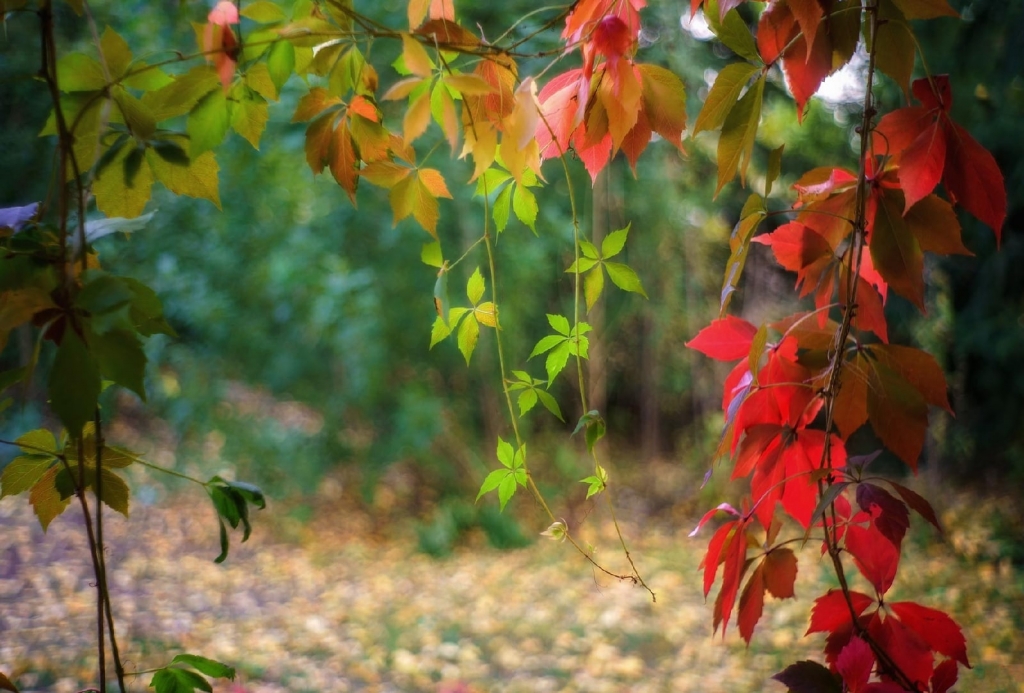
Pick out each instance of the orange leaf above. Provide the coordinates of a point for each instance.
(343, 161)
(313, 103)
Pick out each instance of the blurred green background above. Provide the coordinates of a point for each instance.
(304, 323)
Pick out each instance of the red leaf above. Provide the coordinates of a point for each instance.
(726, 339)
(890, 516)
(906, 648)
(916, 367)
(854, 664)
(898, 413)
(876, 558)
(808, 677)
(805, 64)
(780, 568)
(898, 129)
(711, 513)
(939, 631)
(933, 222)
(921, 164)
(973, 178)
(918, 503)
(895, 252)
(945, 676)
(735, 554)
(831, 612)
(934, 93)
(713, 558)
(751, 604)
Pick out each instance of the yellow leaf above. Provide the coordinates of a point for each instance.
(417, 118)
(384, 174)
(401, 88)
(449, 120)
(258, 79)
(486, 314)
(417, 12)
(45, 498)
(470, 84)
(434, 182)
(198, 179)
(371, 139)
(249, 118)
(415, 196)
(18, 307)
(113, 195)
(416, 59)
(115, 53)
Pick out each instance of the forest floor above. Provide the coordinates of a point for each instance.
(327, 604)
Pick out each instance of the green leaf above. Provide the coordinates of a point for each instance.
(595, 432)
(492, 481)
(614, 242)
(475, 287)
(264, 12)
(589, 250)
(38, 440)
(501, 208)
(469, 332)
(174, 680)
(208, 123)
(736, 143)
(74, 386)
(204, 665)
(103, 293)
(441, 303)
(505, 453)
(121, 359)
(584, 264)
(625, 278)
(556, 360)
(732, 31)
(430, 254)
(774, 168)
(281, 63)
(593, 284)
(547, 343)
(550, 403)
(491, 180)
(439, 331)
(506, 489)
(12, 377)
(80, 72)
(527, 400)
(524, 203)
(750, 218)
(723, 95)
(559, 323)
(22, 473)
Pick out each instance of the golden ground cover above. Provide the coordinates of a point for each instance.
(327, 605)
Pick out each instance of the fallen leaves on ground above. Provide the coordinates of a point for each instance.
(327, 607)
